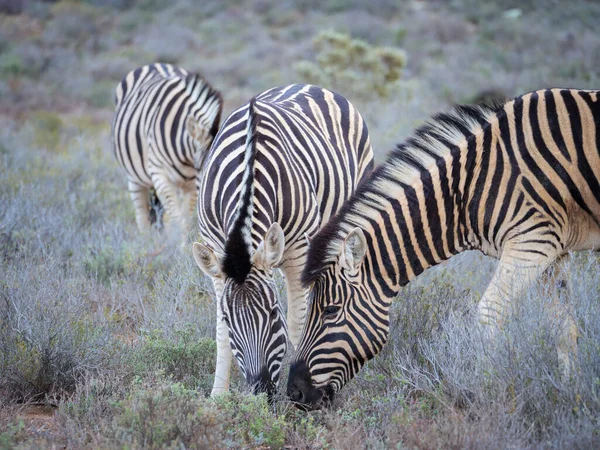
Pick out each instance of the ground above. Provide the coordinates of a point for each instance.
(106, 336)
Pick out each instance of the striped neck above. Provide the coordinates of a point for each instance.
(413, 209)
(409, 226)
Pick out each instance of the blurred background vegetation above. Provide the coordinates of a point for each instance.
(399, 61)
(112, 338)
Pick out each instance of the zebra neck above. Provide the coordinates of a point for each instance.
(409, 228)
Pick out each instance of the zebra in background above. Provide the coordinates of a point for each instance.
(519, 182)
(280, 167)
(164, 123)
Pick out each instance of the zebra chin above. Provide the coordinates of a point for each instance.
(263, 384)
(303, 393)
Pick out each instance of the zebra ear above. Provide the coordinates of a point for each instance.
(270, 251)
(207, 260)
(354, 250)
(197, 131)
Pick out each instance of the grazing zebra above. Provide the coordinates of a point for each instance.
(280, 166)
(519, 182)
(165, 120)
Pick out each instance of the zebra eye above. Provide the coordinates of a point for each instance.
(273, 313)
(331, 310)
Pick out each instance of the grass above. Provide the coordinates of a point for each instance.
(115, 331)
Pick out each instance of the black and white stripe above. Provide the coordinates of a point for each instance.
(165, 120)
(279, 168)
(518, 181)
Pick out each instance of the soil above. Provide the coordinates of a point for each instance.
(39, 419)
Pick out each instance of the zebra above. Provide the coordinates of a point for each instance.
(165, 120)
(519, 182)
(280, 166)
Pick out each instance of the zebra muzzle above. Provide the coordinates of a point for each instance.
(262, 383)
(303, 393)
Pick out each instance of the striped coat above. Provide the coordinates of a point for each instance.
(518, 181)
(279, 168)
(165, 120)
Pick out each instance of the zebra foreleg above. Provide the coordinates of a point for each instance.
(510, 279)
(141, 203)
(224, 354)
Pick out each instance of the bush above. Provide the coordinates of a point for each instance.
(184, 358)
(47, 338)
(10, 65)
(146, 414)
(106, 262)
(353, 66)
(156, 412)
(48, 127)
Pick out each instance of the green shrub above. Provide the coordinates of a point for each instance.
(10, 65)
(48, 128)
(353, 66)
(144, 414)
(184, 358)
(11, 433)
(169, 415)
(106, 262)
(252, 422)
(156, 412)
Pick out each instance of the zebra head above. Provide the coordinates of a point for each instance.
(252, 312)
(342, 331)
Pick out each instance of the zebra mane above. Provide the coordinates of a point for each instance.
(237, 263)
(437, 139)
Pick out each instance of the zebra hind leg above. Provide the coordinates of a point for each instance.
(167, 196)
(558, 285)
(511, 280)
(141, 203)
(156, 210)
(189, 208)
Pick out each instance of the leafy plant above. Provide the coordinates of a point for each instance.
(184, 358)
(353, 66)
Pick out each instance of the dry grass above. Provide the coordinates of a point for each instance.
(96, 320)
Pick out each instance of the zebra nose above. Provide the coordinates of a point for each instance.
(262, 383)
(300, 389)
(296, 395)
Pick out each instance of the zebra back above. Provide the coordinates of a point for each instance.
(156, 107)
(309, 147)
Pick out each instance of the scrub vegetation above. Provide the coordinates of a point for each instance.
(107, 336)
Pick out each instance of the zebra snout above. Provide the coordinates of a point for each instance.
(296, 396)
(300, 389)
(262, 383)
